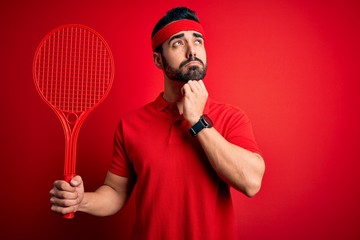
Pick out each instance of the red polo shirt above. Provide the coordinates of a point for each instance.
(178, 194)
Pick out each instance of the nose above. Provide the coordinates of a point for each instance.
(191, 52)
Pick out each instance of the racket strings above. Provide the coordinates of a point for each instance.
(74, 69)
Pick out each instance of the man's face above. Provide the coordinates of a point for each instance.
(184, 57)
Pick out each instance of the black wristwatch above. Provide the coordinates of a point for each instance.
(204, 122)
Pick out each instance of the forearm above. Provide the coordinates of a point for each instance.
(103, 202)
(109, 198)
(237, 166)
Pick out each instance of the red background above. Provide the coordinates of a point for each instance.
(293, 66)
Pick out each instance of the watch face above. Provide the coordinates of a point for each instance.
(207, 120)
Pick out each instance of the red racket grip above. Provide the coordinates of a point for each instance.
(67, 178)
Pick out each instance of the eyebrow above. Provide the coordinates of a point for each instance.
(180, 35)
(198, 35)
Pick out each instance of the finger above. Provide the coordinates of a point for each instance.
(63, 185)
(64, 202)
(76, 181)
(182, 91)
(190, 87)
(201, 88)
(195, 86)
(198, 89)
(186, 90)
(63, 210)
(202, 85)
(63, 194)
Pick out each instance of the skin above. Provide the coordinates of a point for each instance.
(237, 166)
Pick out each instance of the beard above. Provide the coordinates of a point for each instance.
(184, 75)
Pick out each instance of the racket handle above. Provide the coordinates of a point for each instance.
(67, 178)
(69, 215)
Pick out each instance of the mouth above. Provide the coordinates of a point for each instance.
(191, 62)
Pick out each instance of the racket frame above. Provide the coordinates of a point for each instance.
(72, 128)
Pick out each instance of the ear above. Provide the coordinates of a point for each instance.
(158, 60)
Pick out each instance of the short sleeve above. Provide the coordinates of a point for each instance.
(120, 164)
(236, 127)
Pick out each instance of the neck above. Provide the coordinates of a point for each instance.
(173, 94)
(172, 90)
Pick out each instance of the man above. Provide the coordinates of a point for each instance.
(183, 151)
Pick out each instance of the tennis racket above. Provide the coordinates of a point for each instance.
(73, 70)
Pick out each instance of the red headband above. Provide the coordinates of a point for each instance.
(174, 27)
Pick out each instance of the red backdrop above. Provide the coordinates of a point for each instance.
(293, 66)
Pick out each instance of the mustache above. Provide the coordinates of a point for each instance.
(192, 59)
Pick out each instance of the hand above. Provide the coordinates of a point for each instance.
(67, 197)
(194, 100)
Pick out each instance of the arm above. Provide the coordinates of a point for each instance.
(237, 166)
(106, 200)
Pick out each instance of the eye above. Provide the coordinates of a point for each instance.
(177, 43)
(199, 41)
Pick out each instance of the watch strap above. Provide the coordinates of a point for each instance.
(200, 125)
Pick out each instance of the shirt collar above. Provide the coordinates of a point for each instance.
(161, 104)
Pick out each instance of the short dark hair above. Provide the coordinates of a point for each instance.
(172, 15)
